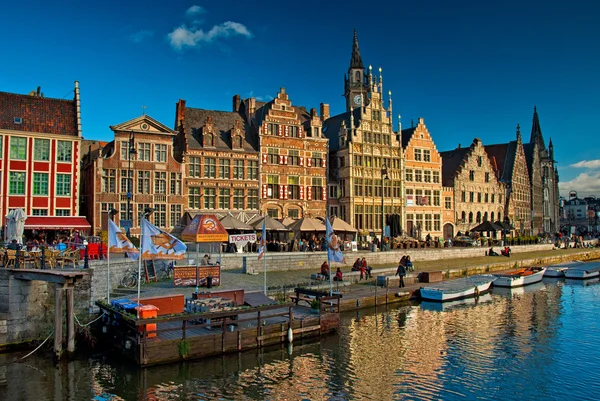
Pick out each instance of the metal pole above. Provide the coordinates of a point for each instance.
(140, 267)
(382, 207)
(107, 264)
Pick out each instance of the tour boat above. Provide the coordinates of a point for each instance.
(558, 270)
(451, 290)
(510, 292)
(584, 271)
(520, 277)
(460, 303)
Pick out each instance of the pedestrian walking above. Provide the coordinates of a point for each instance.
(401, 272)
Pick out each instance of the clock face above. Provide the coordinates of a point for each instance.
(357, 99)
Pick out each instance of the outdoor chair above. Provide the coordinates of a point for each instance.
(11, 257)
(50, 257)
(70, 257)
(28, 258)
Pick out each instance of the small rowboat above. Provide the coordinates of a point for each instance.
(520, 277)
(584, 271)
(558, 270)
(468, 287)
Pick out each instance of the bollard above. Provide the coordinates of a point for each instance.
(100, 250)
(86, 259)
(43, 258)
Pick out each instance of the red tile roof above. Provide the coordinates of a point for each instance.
(38, 114)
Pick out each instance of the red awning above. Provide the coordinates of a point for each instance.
(56, 223)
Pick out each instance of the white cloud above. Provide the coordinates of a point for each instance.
(191, 37)
(591, 164)
(585, 184)
(195, 10)
(140, 36)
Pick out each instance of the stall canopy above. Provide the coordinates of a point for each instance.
(270, 224)
(205, 228)
(57, 223)
(486, 226)
(308, 224)
(340, 226)
(231, 223)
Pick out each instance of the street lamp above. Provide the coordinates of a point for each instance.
(131, 151)
(384, 176)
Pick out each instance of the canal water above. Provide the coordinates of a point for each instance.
(537, 342)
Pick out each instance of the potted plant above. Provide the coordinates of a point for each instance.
(315, 305)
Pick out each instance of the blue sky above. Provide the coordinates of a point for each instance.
(470, 68)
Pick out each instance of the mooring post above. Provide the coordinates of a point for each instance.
(58, 319)
(70, 321)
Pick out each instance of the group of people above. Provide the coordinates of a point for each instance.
(504, 252)
(360, 265)
(325, 272)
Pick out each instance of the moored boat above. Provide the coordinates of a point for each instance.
(459, 303)
(558, 270)
(467, 287)
(584, 271)
(510, 292)
(520, 277)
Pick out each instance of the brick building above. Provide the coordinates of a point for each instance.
(510, 165)
(423, 183)
(137, 168)
(40, 145)
(479, 196)
(364, 147)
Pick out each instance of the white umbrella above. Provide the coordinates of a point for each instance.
(10, 226)
(20, 218)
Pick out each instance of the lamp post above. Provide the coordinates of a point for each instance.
(131, 151)
(147, 212)
(384, 176)
(505, 228)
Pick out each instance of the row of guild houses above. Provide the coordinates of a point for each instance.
(280, 159)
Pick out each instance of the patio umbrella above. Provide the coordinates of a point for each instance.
(340, 226)
(231, 223)
(486, 226)
(270, 225)
(20, 218)
(9, 231)
(504, 226)
(308, 224)
(288, 221)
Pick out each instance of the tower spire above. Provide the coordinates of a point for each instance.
(356, 60)
(536, 130)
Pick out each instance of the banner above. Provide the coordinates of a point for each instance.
(119, 243)
(334, 253)
(263, 240)
(240, 240)
(157, 244)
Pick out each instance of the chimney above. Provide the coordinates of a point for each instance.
(77, 106)
(324, 111)
(251, 107)
(313, 112)
(236, 103)
(39, 89)
(179, 114)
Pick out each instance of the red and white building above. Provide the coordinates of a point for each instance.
(40, 141)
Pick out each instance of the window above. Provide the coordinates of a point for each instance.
(175, 183)
(470, 217)
(428, 225)
(238, 169)
(160, 215)
(224, 168)
(293, 131)
(273, 213)
(160, 153)
(358, 187)
(317, 188)
(426, 155)
(447, 202)
(272, 129)
(293, 187)
(126, 185)
(64, 151)
(63, 212)
(140, 207)
(317, 159)
(273, 156)
(418, 176)
(41, 149)
(273, 186)
(479, 197)
(63, 185)
(210, 168)
(175, 216)
(18, 148)
(16, 185)
(436, 177)
(144, 152)
(463, 196)
(209, 198)
(40, 212)
(436, 198)
(471, 175)
(487, 177)
(160, 182)
(238, 198)
(293, 157)
(253, 199)
(143, 182)
(125, 150)
(418, 155)
(294, 213)
(479, 161)
(194, 164)
(437, 224)
(194, 197)
(108, 181)
(40, 183)
(486, 198)
(253, 170)
(493, 197)
(224, 198)
(409, 174)
(427, 176)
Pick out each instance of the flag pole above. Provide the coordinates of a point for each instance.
(265, 252)
(107, 260)
(140, 266)
(328, 260)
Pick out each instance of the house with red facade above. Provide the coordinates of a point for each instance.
(40, 141)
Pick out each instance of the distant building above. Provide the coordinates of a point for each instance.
(40, 145)
(478, 194)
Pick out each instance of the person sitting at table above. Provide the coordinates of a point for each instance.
(14, 245)
(325, 269)
(338, 275)
(61, 246)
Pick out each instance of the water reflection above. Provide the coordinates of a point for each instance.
(536, 342)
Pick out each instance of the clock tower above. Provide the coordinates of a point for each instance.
(355, 83)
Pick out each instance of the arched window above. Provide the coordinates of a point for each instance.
(485, 216)
(357, 75)
(470, 217)
(479, 217)
(238, 142)
(463, 217)
(492, 217)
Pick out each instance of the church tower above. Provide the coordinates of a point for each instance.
(355, 82)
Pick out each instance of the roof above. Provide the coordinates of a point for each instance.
(356, 59)
(223, 122)
(38, 114)
(536, 129)
(407, 136)
(331, 127)
(529, 148)
(451, 161)
(503, 156)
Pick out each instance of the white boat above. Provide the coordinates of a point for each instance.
(467, 287)
(520, 277)
(584, 271)
(510, 292)
(558, 270)
(451, 305)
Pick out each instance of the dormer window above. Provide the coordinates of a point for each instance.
(18, 120)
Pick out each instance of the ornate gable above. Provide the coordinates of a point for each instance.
(143, 124)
